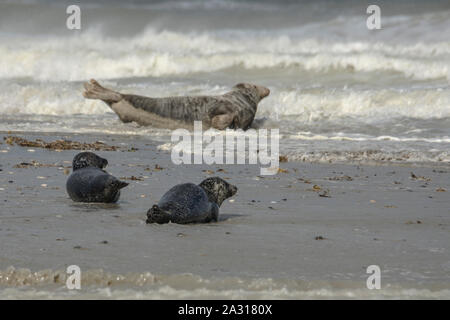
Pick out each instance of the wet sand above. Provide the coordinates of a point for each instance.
(310, 227)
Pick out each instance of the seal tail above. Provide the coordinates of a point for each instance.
(157, 215)
(95, 91)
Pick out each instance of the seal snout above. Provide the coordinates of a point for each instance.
(263, 91)
(104, 163)
(233, 190)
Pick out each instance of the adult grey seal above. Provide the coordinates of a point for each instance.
(189, 203)
(90, 183)
(235, 109)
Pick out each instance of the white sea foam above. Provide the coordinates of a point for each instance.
(170, 293)
(370, 156)
(372, 105)
(343, 137)
(303, 105)
(46, 99)
(98, 284)
(163, 53)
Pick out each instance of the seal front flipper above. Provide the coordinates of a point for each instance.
(222, 121)
(223, 116)
(213, 214)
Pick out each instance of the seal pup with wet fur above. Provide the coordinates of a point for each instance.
(235, 109)
(190, 203)
(90, 183)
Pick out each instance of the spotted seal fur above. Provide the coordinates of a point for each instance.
(190, 203)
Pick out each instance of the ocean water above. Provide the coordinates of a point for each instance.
(339, 92)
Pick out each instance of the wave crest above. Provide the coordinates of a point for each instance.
(165, 53)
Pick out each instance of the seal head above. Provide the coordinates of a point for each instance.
(218, 189)
(88, 159)
(254, 92)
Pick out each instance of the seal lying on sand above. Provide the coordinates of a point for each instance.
(235, 109)
(89, 183)
(188, 203)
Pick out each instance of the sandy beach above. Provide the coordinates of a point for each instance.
(308, 232)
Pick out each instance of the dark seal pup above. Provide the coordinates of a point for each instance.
(189, 203)
(235, 109)
(89, 183)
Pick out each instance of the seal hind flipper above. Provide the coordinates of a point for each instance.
(112, 189)
(117, 184)
(95, 91)
(156, 215)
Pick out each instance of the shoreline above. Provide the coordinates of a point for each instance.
(94, 136)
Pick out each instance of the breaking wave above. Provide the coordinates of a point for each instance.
(304, 105)
(164, 53)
